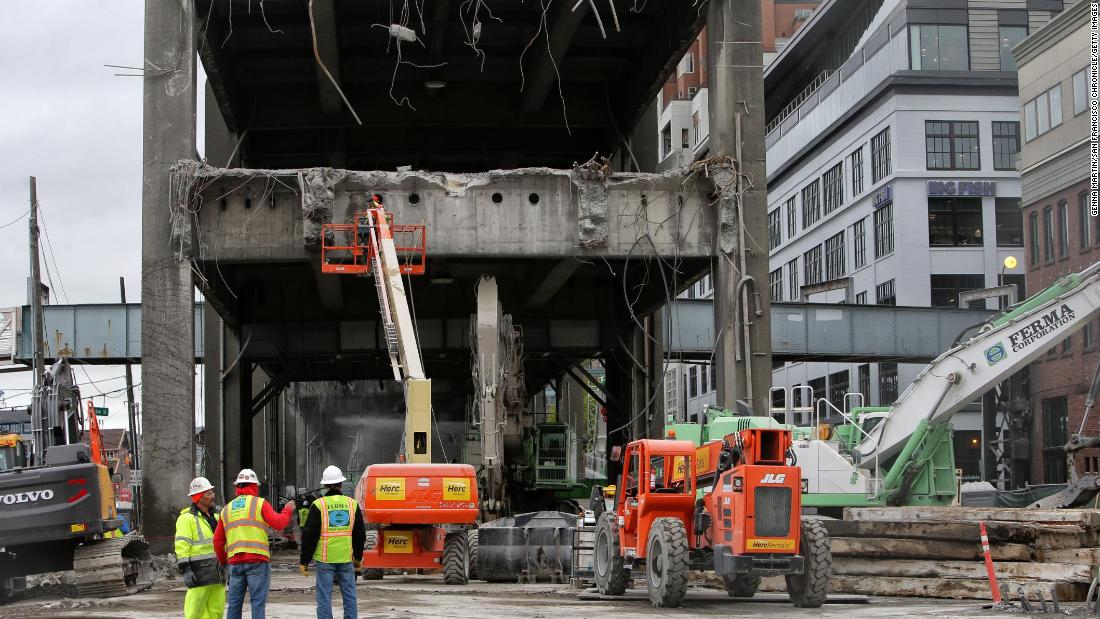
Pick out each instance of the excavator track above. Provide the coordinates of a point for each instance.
(113, 567)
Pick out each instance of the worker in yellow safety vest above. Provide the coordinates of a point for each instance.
(241, 541)
(195, 556)
(333, 536)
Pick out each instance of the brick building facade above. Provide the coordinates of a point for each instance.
(1062, 235)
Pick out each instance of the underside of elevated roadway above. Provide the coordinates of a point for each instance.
(476, 120)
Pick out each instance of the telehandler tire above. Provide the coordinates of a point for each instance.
(667, 562)
(371, 542)
(741, 585)
(808, 589)
(456, 558)
(611, 574)
(471, 538)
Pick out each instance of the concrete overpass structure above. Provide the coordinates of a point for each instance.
(310, 105)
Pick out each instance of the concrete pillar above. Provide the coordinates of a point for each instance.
(212, 405)
(736, 86)
(655, 372)
(168, 390)
(229, 392)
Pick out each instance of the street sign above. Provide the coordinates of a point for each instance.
(101, 411)
(135, 478)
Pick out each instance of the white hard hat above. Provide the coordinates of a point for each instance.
(247, 476)
(199, 485)
(332, 475)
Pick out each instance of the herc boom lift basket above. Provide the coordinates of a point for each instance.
(349, 249)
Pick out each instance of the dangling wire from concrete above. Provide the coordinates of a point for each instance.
(317, 57)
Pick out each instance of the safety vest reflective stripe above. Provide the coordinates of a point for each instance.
(244, 530)
(194, 538)
(335, 546)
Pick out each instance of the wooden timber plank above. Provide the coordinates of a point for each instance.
(946, 588)
(924, 549)
(1052, 535)
(975, 570)
(1086, 517)
(1079, 556)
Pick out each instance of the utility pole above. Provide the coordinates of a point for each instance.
(131, 408)
(39, 423)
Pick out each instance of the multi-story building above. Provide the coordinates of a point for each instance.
(893, 133)
(1062, 234)
(682, 122)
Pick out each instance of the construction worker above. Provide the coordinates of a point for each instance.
(241, 541)
(204, 577)
(333, 536)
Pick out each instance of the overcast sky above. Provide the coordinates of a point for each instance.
(72, 123)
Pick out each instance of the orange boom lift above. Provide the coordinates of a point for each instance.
(418, 511)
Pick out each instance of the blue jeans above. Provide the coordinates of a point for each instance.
(344, 575)
(256, 579)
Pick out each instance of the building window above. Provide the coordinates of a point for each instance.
(1083, 220)
(792, 279)
(1033, 232)
(811, 205)
(1063, 229)
(887, 383)
(1080, 92)
(811, 263)
(954, 222)
(863, 382)
(838, 387)
(880, 155)
(689, 63)
(946, 289)
(1048, 234)
(884, 231)
(792, 218)
(1088, 336)
(1019, 282)
(1055, 435)
(775, 229)
(835, 263)
(861, 298)
(859, 240)
(684, 143)
(666, 141)
(834, 187)
(693, 378)
(1043, 113)
(703, 387)
(951, 145)
(885, 294)
(1006, 144)
(938, 47)
(857, 172)
(672, 392)
(1010, 36)
(1010, 223)
(775, 281)
(691, 92)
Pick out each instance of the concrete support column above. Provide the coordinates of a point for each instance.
(655, 373)
(736, 86)
(168, 391)
(213, 361)
(229, 391)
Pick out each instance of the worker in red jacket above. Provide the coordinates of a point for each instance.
(241, 541)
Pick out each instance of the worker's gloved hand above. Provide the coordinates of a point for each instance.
(303, 570)
(189, 578)
(357, 563)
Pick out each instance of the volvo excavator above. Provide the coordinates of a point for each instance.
(57, 503)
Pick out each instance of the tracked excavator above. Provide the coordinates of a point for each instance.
(903, 454)
(57, 503)
(417, 511)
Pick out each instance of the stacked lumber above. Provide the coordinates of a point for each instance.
(936, 551)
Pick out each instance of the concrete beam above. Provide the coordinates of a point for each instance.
(544, 68)
(553, 282)
(168, 393)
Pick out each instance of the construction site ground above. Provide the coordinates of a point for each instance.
(292, 597)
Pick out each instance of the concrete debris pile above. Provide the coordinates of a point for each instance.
(936, 552)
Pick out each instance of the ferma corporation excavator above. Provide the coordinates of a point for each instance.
(57, 502)
(903, 454)
(418, 512)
